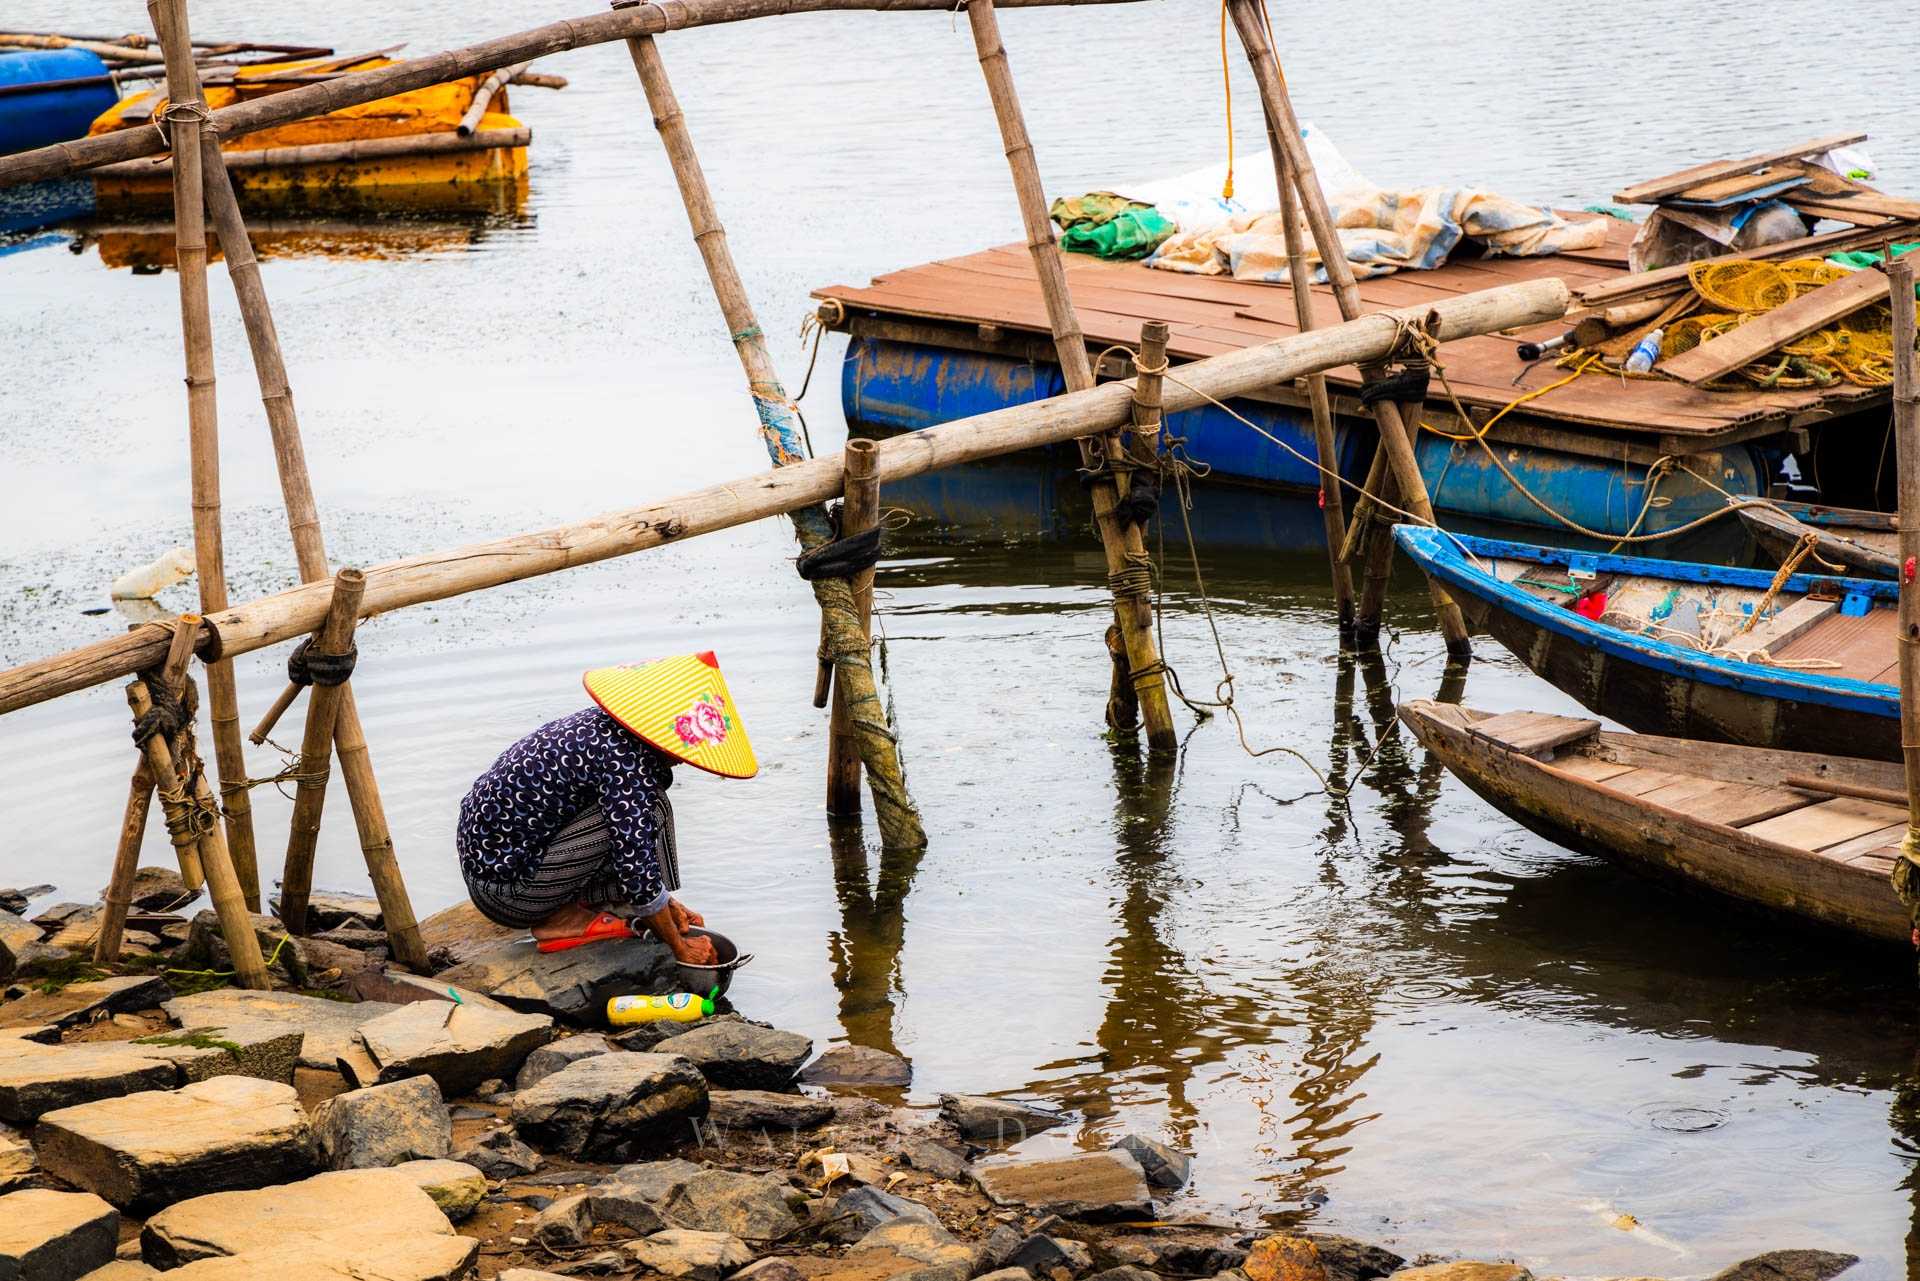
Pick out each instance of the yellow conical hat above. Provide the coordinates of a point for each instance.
(681, 706)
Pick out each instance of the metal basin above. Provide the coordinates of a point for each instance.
(701, 979)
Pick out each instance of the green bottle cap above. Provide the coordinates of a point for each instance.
(706, 1002)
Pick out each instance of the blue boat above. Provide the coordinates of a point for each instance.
(51, 95)
(1674, 647)
(888, 386)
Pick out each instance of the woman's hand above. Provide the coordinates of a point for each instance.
(683, 916)
(693, 949)
(687, 948)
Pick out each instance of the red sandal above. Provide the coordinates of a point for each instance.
(604, 926)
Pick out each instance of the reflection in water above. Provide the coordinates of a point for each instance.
(148, 245)
(865, 951)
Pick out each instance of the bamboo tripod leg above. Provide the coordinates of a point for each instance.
(335, 637)
(860, 513)
(133, 822)
(1906, 431)
(1128, 568)
(190, 247)
(899, 820)
(1332, 502)
(303, 524)
(1284, 128)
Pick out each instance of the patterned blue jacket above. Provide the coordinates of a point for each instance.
(545, 780)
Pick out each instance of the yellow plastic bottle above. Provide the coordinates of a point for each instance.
(680, 1007)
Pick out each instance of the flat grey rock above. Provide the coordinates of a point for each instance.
(1194, 1252)
(322, 1213)
(84, 1002)
(395, 1256)
(573, 986)
(554, 1055)
(383, 1125)
(914, 1251)
(1095, 1186)
(856, 1066)
(863, 1209)
(498, 1154)
(158, 889)
(1166, 1168)
(266, 1051)
(744, 1205)
(144, 1151)
(456, 1187)
(611, 1106)
(935, 1158)
(15, 900)
(16, 936)
(328, 1025)
(35, 1078)
(688, 1255)
(327, 910)
(635, 1196)
(741, 1056)
(766, 1110)
(1788, 1265)
(457, 1045)
(55, 1236)
(1052, 1258)
(997, 1120)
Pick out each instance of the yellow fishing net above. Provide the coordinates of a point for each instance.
(1858, 349)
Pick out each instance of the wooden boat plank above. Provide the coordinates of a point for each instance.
(1741, 346)
(1826, 823)
(1738, 804)
(1534, 732)
(1674, 183)
(1687, 794)
(1881, 842)
(1782, 629)
(1837, 645)
(1592, 768)
(1640, 780)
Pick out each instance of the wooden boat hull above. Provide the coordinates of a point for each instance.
(1863, 543)
(1841, 889)
(1661, 688)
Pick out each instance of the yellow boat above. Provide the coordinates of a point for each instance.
(407, 151)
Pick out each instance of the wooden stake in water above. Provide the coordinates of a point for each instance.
(893, 808)
(184, 112)
(1129, 572)
(335, 638)
(1284, 128)
(859, 512)
(310, 553)
(1906, 435)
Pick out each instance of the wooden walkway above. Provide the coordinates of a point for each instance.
(1210, 315)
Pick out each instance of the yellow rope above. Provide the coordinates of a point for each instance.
(1586, 364)
(1226, 85)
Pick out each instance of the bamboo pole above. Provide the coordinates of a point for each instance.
(858, 513)
(103, 48)
(361, 87)
(310, 553)
(192, 819)
(1906, 434)
(484, 95)
(184, 109)
(439, 575)
(1284, 128)
(1129, 571)
(1332, 502)
(133, 823)
(335, 637)
(894, 810)
(331, 153)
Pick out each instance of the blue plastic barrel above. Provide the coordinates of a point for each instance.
(29, 120)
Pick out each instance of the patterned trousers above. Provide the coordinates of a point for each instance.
(576, 867)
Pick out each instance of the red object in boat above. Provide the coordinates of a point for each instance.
(1592, 605)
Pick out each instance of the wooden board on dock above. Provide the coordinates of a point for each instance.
(1211, 315)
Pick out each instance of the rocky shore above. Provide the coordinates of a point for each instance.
(370, 1124)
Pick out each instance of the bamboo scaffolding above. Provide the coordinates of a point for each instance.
(1332, 501)
(361, 87)
(859, 512)
(334, 153)
(453, 572)
(484, 95)
(192, 820)
(310, 552)
(893, 807)
(1284, 128)
(185, 109)
(334, 638)
(1129, 571)
(133, 823)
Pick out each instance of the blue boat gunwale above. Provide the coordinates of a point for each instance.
(1440, 554)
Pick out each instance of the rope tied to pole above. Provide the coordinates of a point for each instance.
(844, 557)
(170, 712)
(195, 111)
(304, 667)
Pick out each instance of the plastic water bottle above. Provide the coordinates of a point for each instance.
(1645, 352)
(680, 1007)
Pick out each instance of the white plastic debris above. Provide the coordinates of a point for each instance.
(148, 581)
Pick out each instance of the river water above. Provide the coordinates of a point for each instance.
(1395, 1015)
